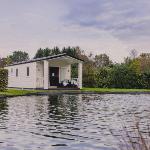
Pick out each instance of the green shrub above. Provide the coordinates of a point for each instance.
(3, 79)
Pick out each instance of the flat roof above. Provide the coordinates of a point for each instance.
(44, 58)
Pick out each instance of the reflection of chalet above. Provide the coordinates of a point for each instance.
(43, 73)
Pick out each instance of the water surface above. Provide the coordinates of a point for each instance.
(70, 122)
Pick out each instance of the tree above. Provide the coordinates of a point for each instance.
(133, 53)
(47, 52)
(144, 60)
(42, 53)
(3, 62)
(102, 77)
(122, 76)
(102, 60)
(89, 74)
(18, 56)
(70, 51)
(145, 80)
(56, 51)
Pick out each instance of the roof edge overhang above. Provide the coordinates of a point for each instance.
(45, 58)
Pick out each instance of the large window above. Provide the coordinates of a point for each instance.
(16, 72)
(28, 71)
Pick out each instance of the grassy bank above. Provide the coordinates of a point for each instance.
(113, 90)
(16, 92)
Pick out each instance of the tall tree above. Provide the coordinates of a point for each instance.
(18, 56)
(102, 60)
(47, 52)
(133, 53)
(122, 76)
(144, 60)
(56, 51)
(70, 51)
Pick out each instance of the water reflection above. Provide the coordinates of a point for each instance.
(3, 113)
(69, 121)
(3, 105)
(62, 106)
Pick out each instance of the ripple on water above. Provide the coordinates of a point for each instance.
(71, 122)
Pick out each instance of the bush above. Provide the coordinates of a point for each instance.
(102, 77)
(89, 75)
(144, 80)
(3, 79)
(123, 77)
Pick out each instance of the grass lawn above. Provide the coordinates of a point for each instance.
(16, 92)
(113, 90)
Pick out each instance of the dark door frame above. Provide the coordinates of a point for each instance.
(54, 76)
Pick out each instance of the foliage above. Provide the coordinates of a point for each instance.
(47, 52)
(144, 80)
(74, 71)
(99, 71)
(144, 60)
(102, 60)
(123, 77)
(18, 56)
(3, 62)
(3, 79)
(102, 77)
(89, 74)
(70, 51)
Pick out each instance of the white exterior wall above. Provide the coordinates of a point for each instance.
(65, 72)
(80, 75)
(46, 74)
(39, 75)
(22, 81)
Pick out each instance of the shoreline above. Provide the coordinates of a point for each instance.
(16, 92)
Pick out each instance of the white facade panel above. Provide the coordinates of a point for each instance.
(46, 74)
(65, 73)
(22, 80)
(39, 75)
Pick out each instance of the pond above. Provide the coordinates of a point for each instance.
(70, 122)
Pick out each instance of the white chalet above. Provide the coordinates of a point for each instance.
(43, 73)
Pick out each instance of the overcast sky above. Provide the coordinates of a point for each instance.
(113, 27)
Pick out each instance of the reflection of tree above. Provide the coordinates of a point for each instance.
(63, 106)
(3, 113)
(41, 105)
(3, 106)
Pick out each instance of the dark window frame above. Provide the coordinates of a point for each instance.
(28, 71)
(17, 72)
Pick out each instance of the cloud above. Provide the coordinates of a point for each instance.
(121, 18)
(101, 26)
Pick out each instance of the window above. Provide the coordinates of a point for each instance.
(11, 70)
(28, 71)
(16, 72)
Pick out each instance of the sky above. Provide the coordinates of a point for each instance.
(114, 27)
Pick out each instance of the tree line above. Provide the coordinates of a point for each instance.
(98, 70)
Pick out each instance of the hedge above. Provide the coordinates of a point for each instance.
(3, 79)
